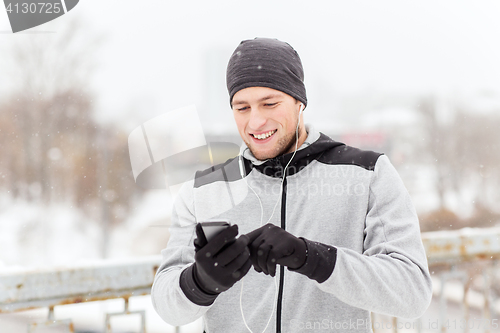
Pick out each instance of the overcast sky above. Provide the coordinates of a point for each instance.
(161, 55)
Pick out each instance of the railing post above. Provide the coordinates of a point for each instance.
(52, 322)
(419, 325)
(126, 311)
(487, 312)
(442, 304)
(465, 305)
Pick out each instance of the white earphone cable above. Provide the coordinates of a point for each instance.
(261, 216)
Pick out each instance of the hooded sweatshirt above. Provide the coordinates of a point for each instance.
(357, 219)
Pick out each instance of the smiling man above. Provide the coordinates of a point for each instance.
(344, 242)
(267, 119)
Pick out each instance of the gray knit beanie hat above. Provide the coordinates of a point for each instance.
(266, 62)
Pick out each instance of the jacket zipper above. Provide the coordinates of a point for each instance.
(282, 268)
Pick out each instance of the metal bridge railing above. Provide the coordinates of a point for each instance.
(464, 267)
(103, 280)
(464, 259)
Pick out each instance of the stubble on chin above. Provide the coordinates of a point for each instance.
(283, 146)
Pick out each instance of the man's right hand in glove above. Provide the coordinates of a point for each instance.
(218, 265)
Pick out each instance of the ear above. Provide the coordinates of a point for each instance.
(300, 105)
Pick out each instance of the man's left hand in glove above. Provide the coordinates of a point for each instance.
(271, 245)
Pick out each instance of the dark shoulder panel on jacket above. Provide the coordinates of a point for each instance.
(228, 171)
(350, 156)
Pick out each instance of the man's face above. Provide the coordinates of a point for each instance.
(266, 119)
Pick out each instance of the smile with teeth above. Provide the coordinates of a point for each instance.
(264, 135)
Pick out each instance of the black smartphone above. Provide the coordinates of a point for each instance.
(212, 228)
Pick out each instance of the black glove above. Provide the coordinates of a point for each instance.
(270, 245)
(218, 265)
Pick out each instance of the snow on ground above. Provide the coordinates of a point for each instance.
(35, 235)
(145, 232)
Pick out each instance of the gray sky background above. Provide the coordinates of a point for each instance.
(162, 55)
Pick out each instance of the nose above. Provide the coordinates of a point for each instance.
(257, 120)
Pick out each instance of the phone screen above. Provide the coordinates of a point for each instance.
(212, 228)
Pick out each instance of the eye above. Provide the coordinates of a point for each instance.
(241, 109)
(270, 104)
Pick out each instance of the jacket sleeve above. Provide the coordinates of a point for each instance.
(391, 276)
(168, 299)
